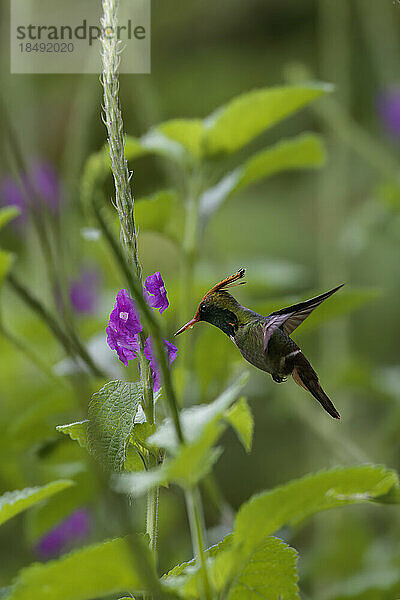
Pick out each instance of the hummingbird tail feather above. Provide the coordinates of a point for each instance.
(305, 376)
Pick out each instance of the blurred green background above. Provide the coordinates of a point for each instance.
(297, 233)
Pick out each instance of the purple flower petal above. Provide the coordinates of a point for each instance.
(83, 292)
(123, 328)
(155, 292)
(72, 529)
(389, 110)
(47, 184)
(172, 352)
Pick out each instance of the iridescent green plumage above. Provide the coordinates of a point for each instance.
(265, 342)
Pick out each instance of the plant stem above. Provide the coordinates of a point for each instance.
(152, 511)
(115, 129)
(27, 352)
(124, 203)
(66, 342)
(196, 522)
(149, 318)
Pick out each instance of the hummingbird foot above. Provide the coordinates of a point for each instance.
(278, 378)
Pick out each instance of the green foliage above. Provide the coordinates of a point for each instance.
(12, 503)
(195, 419)
(269, 573)
(188, 132)
(305, 151)
(162, 213)
(375, 582)
(234, 125)
(267, 512)
(231, 563)
(7, 214)
(241, 419)
(6, 260)
(44, 516)
(202, 426)
(112, 412)
(76, 431)
(91, 572)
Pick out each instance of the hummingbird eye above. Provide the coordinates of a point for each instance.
(203, 306)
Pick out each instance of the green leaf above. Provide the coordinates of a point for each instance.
(270, 573)
(188, 132)
(7, 214)
(195, 419)
(112, 412)
(162, 213)
(12, 503)
(6, 260)
(202, 426)
(241, 419)
(139, 434)
(304, 151)
(267, 512)
(94, 571)
(156, 142)
(245, 117)
(189, 583)
(77, 431)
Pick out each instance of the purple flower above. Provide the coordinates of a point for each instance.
(389, 110)
(47, 185)
(41, 180)
(72, 529)
(155, 292)
(172, 352)
(83, 292)
(123, 327)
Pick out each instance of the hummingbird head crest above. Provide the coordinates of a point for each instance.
(218, 306)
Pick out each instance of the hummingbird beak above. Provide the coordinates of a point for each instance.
(188, 325)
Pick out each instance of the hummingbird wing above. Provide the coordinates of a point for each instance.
(288, 319)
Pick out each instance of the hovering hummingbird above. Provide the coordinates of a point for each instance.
(264, 341)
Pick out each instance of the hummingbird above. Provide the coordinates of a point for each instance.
(264, 342)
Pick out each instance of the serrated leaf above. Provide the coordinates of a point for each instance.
(188, 132)
(267, 512)
(245, 117)
(270, 573)
(142, 431)
(190, 462)
(94, 571)
(112, 412)
(7, 214)
(241, 419)
(304, 151)
(184, 577)
(196, 418)
(12, 503)
(77, 431)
